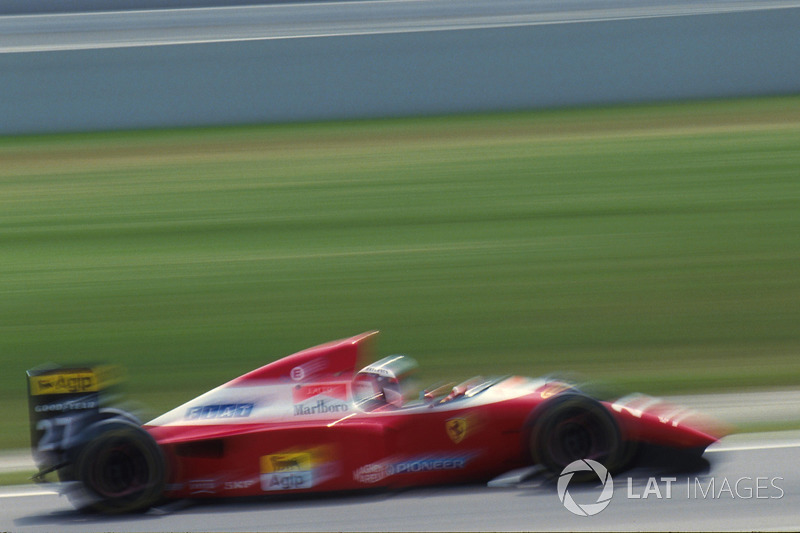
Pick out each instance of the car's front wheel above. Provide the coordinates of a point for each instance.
(570, 427)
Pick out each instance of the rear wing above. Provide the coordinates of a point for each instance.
(62, 401)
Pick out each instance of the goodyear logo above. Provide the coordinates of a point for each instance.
(64, 383)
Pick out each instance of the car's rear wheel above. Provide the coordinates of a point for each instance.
(572, 427)
(120, 469)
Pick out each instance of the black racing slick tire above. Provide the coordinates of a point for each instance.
(120, 469)
(570, 427)
(67, 472)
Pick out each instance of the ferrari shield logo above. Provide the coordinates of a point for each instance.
(456, 429)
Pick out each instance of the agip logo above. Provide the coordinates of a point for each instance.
(64, 383)
(586, 509)
(287, 471)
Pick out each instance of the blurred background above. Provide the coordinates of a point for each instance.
(596, 188)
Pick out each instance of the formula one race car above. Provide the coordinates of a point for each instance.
(311, 423)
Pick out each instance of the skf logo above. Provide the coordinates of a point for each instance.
(239, 485)
(456, 429)
(65, 383)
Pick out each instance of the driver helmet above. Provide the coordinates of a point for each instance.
(390, 381)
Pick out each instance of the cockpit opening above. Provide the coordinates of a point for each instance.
(386, 384)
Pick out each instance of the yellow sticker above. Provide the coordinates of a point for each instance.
(286, 462)
(456, 429)
(552, 390)
(64, 383)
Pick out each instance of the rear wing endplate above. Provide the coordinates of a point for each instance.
(61, 402)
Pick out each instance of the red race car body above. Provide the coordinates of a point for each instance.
(304, 424)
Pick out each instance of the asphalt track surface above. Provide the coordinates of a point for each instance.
(161, 27)
(753, 484)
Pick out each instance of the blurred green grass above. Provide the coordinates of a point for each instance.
(650, 247)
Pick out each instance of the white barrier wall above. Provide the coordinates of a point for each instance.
(657, 59)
